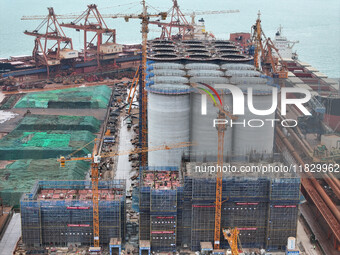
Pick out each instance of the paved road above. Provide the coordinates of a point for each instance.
(124, 166)
(11, 236)
(303, 237)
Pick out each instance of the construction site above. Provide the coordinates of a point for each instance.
(183, 144)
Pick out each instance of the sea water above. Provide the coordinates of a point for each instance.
(315, 23)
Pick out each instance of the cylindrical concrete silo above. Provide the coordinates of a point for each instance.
(209, 80)
(168, 122)
(242, 73)
(249, 140)
(202, 130)
(202, 66)
(237, 67)
(165, 65)
(167, 80)
(207, 73)
(247, 80)
(168, 72)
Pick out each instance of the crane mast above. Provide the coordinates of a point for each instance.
(257, 39)
(145, 30)
(220, 130)
(264, 48)
(95, 160)
(94, 178)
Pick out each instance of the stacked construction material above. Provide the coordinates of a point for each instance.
(94, 97)
(59, 122)
(42, 145)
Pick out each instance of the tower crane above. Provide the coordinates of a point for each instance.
(179, 22)
(95, 158)
(145, 20)
(144, 17)
(264, 47)
(257, 41)
(231, 235)
(221, 128)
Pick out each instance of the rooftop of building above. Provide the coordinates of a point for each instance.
(161, 180)
(76, 190)
(72, 194)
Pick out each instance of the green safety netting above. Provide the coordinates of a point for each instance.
(81, 97)
(59, 122)
(42, 145)
(19, 177)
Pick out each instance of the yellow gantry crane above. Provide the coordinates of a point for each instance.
(231, 235)
(95, 158)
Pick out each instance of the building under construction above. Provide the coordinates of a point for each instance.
(177, 203)
(177, 208)
(184, 200)
(59, 213)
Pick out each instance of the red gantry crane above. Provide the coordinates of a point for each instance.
(178, 27)
(99, 28)
(91, 21)
(49, 49)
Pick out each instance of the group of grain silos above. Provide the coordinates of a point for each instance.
(174, 112)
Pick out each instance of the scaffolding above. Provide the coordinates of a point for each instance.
(158, 208)
(282, 223)
(66, 216)
(249, 203)
(183, 214)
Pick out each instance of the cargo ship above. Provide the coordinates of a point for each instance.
(24, 65)
(303, 75)
(53, 51)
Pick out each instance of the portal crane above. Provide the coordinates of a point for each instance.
(43, 53)
(92, 21)
(101, 28)
(231, 235)
(179, 23)
(264, 48)
(95, 158)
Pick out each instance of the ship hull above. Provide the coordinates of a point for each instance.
(332, 115)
